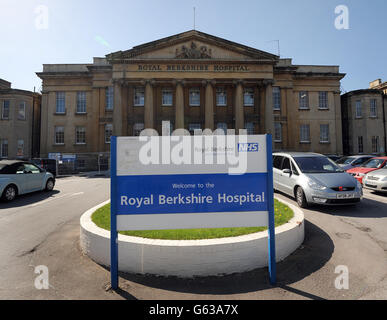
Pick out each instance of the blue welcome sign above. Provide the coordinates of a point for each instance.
(188, 182)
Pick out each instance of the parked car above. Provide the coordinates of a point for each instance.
(376, 180)
(20, 177)
(350, 162)
(367, 167)
(47, 164)
(314, 178)
(334, 157)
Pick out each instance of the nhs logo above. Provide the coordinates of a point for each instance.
(248, 147)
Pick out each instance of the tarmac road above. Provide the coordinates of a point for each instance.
(43, 229)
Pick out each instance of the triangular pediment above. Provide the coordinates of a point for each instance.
(192, 45)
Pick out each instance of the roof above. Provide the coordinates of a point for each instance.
(298, 154)
(11, 162)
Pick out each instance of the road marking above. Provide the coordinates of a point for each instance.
(55, 198)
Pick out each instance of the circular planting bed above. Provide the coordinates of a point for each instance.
(189, 253)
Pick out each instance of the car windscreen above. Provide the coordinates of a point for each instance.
(345, 160)
(373, 163)
(317, 165)
(2, 168)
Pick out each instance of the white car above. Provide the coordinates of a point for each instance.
(376, 180)
(21, 177)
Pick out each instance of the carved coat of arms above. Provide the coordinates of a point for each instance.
(193, 52)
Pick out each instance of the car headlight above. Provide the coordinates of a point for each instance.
(316, 186)
(384, 179)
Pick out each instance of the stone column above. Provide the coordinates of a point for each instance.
(269, 116)
(179, 108)
(148, 107)
(239, 108)
(117, 109)
(209, 105)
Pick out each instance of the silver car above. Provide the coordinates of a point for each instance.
(20, 177)
(351, 162)
(376, 180)
(313, 178)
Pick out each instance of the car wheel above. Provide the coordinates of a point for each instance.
(9, 193)
(50, 185)
(300, 197)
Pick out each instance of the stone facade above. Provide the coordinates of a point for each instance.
(364, 122)
(19, 122)
(194, 80)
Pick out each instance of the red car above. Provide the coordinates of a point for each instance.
(371, 165)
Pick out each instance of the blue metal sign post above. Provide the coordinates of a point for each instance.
(153, 185)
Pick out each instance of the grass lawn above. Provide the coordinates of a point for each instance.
(282, 215)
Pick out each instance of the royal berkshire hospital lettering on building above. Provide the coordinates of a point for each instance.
(193, 67)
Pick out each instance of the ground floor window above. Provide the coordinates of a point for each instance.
(3, 148)
(324, 133)
(20, 148)
(277, 132)
(80, 135)
(137, 128)
(194, 97)
(222, 126)
(305, 133)
(249, 126)
(375, 144)
(194, 126)
(59, 135)
(360, 144)
(248, 97)
(139, 97)
(167, 97)
(108, 132)
(221, 97)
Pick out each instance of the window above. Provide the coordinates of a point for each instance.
(139, 97)
(4, 148)
(324, 133)
(222, 126)
(59, 135)
(21, 115)
(30, 168)
(250, 128)
(277, 132)
(108, 132)
(373, 108)
(137, 128)
(194, 97)
(194, 126)
(20, 148)
(323, 100)
(80, 135)
(294, 169)
(305, 133)
(109, 98)
(360, 144)
(167, 97)
(286, 164)
(221, 97)
(5, 110)
(375, 144)
(81, 102)
(358, 109)
(276, 98)
(248, 97)
(60, 103)
(277, 161)
(304, 100)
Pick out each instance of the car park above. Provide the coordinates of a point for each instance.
(376, 180)
(21, 177)
(367, 167)
(313, 178)
(350, 162)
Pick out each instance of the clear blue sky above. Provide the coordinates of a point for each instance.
(79, 30)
